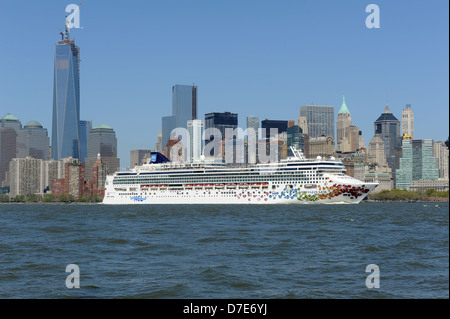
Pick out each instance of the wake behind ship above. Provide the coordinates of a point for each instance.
(295, 180)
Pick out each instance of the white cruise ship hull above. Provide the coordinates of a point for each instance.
(321, 194)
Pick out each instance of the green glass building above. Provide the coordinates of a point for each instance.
(417, 163)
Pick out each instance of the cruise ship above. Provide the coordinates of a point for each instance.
(295, 180)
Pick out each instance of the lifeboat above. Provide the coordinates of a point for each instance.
(243, 185)
(209, 185)
(231, 185)
(188, 186)
(199, 186)
(220, 186)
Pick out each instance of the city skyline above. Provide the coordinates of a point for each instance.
(273, 59)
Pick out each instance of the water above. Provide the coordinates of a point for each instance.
(181, 251)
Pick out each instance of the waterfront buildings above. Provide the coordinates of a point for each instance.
(223, 123)
(387, 126)
(440, 151)
(417, 163)
(268, 125)
(10, 127)
(35, 140)
(184, 108)
(102, 140)
(320, 120)
(66, 100)
(25, 176)
(137, 157)
(252, 138)
(407, 125)
(196, 143)
(85, 130)
(321, 146)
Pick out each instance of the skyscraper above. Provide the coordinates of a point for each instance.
(408, 121)
(66, 99)
(10, 127)
(417, 163)
(320, 120)
(267, 125)
(344, 121)
(252, 138)
(195, 128)
(85, 129)
(388, 127)
(102, 140)
(184, 108)
(221, 122)
(36, 141)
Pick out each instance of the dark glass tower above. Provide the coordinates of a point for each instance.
(66, 99)
(281, 126)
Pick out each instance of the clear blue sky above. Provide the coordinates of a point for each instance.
(252, 57)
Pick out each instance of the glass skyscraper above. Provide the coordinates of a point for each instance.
(66, 100)
(417, 163)
(184, 109)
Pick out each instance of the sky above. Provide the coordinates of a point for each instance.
(251, 57)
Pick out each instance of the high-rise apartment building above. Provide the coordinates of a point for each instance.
(417, 163)
(407, 121)
(25, 176)
(66, 99)
(320, 120)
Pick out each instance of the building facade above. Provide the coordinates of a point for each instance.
(66, 100)
(320, 120)
(407, 121)
(417, 163)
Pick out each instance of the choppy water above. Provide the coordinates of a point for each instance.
(279, 251)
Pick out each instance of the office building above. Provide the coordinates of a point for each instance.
(407, 125)
(268, 126)
(295, 138)
(252, 138)
(35, 140)
(66, 99)
(223, 123)
(184, 108)
(102, 140)
(321, 146)
(137, 157)
(417, 163)
(10, 127)
(196, 143)
(85, 130)
(388, 128)
(320, 120)
(344, 121)
(302, 122)
(440, 151)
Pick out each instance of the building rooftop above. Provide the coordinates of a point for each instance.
(103, 127)
(344, 108)
(9, 117)
(33, 124)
